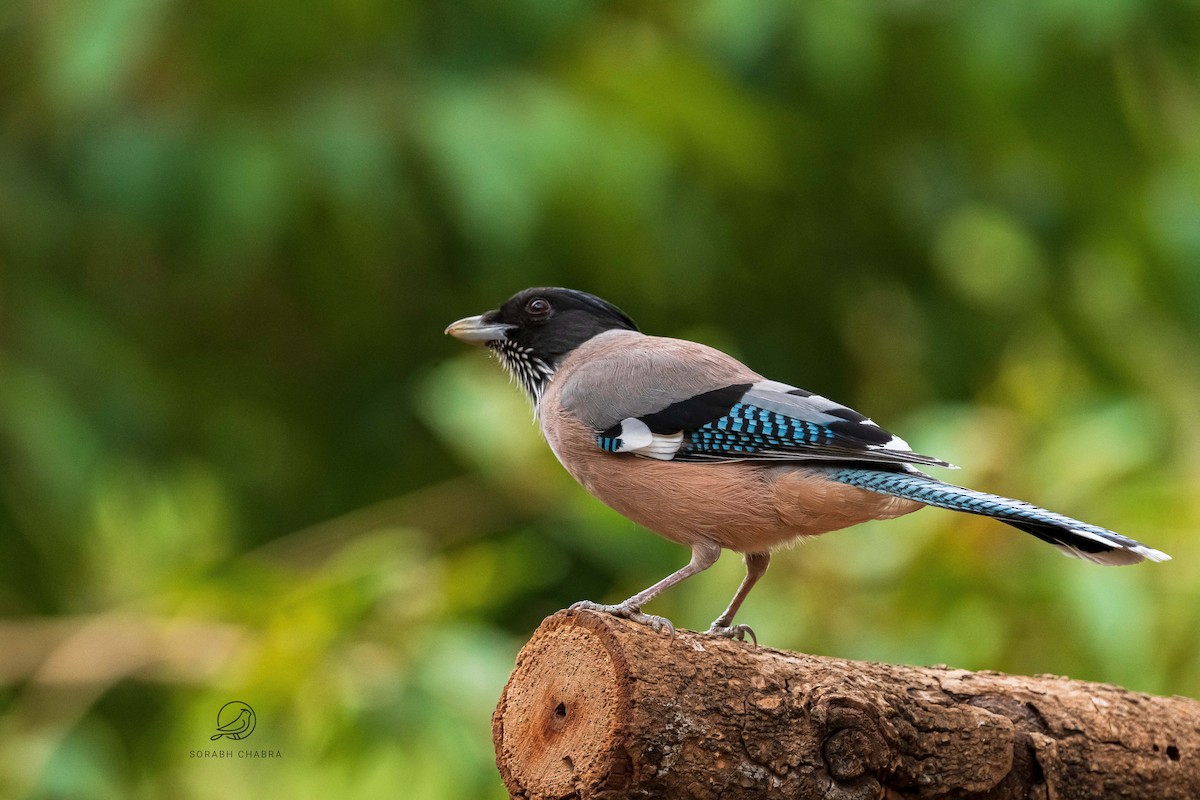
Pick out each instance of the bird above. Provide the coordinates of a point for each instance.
(238, 728)
(694, 445)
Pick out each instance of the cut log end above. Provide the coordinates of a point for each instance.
(558, 727)
(598, 707)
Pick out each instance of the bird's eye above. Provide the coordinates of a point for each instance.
(538, 307)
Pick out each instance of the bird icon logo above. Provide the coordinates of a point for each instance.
(235, 720)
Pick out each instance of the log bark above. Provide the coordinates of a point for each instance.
(598, 707)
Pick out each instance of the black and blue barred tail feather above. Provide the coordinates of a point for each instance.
(1071, 536)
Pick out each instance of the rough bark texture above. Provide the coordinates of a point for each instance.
(598, 707)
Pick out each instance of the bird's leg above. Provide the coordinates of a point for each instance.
(704, 555)
(756, 567)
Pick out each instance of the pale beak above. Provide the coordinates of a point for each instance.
(473, 330)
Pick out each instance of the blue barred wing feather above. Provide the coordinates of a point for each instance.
(762, 421)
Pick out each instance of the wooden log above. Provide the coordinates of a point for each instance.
(598, 707)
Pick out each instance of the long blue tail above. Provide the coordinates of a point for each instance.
(1071, 536)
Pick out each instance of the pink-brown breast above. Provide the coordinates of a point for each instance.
(742, 506)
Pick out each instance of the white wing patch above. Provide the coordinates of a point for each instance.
(636, 437)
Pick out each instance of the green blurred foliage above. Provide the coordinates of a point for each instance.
(238, 460)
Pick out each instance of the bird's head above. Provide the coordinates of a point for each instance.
(535, 329)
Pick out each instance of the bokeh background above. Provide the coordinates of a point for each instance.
(239, 460)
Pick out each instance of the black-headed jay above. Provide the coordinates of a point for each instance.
(699, 448)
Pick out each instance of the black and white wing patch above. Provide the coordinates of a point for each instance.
(765, 420)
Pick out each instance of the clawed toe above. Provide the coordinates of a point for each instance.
(739, 632)
(659, 625)
(588, 605)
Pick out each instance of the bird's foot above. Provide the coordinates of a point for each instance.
(659, 625)
(739, 632)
